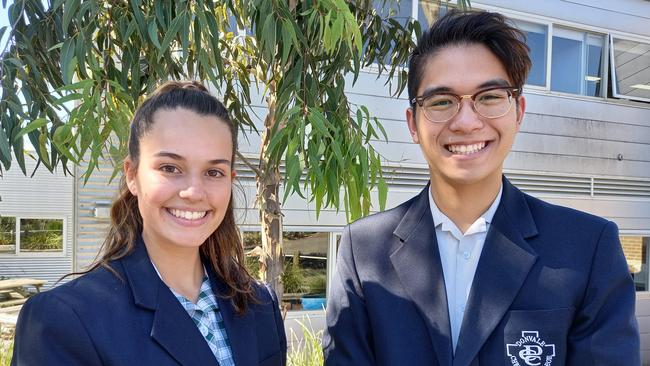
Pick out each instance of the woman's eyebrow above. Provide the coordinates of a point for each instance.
(174, 156)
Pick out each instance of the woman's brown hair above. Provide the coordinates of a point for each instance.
(223, 248)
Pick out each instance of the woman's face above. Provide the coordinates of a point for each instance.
(184, 178)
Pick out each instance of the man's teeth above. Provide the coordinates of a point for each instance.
(466, 149)
(188, 215)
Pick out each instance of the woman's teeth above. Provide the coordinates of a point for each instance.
(466, 149)
(187, 215)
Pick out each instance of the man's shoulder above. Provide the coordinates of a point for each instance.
(385, 220)
(545, 211)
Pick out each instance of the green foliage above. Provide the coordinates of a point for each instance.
(308, 351)
(293, 278)
(103, 56)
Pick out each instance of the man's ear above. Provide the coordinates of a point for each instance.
(521, 109)
(130, 174)
(412, 125)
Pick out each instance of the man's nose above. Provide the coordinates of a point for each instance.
(466, 120)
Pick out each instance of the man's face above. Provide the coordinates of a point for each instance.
(468, 149)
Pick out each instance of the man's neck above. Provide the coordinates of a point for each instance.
(179, 268)
(464, 204)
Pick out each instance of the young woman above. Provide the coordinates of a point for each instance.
(170, 287)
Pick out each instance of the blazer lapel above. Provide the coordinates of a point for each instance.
(172, 327)
(417, 263)
(241, 328)
(503, 267)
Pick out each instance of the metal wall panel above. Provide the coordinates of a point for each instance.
(45, 195)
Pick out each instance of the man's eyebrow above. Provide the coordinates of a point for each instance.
(174, 156)
(494, 82)
(445, 89)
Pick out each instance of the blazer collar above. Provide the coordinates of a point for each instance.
(502, 269)
(417, 264)
(172, 328)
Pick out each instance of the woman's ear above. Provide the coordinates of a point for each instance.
(130, 172)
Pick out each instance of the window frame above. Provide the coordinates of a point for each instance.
(18, 253)
(610, 43)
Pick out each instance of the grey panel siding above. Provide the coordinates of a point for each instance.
(91, 230)
(45, 195)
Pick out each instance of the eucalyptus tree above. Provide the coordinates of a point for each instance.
(103, 56)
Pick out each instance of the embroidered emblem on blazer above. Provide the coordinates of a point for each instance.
(530, 350)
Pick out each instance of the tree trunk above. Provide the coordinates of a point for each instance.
(268, 186)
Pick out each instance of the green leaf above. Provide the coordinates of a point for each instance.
(67, 56)
(33, 125)
(382, 189)
(171, 33)
(153, 33)
(5, 149)
(269, 32)
(69, 11)
(68, 98)
(2, 31)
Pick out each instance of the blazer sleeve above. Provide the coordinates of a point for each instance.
(605, 330)
(49, 332)
(347, 339)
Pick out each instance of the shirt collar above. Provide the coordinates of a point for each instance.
(480, 225)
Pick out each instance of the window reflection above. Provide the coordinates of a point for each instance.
(536, 35)
(636, 253)
(576, 62)
(305, 271)
(7, 234)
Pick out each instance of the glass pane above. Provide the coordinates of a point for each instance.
(566, 65)
(252, 248)
(41, 235)
(429, 11)
(536, 40)
(636, 253)
(305, 270)
(594, 70)
(7, 234)
(632, 68)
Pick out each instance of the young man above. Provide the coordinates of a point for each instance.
(472, 271)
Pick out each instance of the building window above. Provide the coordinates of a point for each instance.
(630, 69)
(536, 39)
(7, 235)
(305, 269)
(636, 253)
(576, 62)
(30, 235)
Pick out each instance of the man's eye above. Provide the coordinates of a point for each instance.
(439, 102)
(215, 173)
(491, 97)
(169, 169)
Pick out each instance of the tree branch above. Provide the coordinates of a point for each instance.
(249, 164)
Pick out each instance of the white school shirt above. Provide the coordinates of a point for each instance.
(459, 254)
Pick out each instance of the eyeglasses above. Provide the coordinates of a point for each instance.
(489, 103)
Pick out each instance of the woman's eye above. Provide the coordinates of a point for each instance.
(215, 173)
(169, 169)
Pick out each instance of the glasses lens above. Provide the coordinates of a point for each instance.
(440, 107)
(493, 103)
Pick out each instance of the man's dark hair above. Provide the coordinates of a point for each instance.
(456, 27)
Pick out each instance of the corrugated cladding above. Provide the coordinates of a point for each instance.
(45, 195)
(98, 191)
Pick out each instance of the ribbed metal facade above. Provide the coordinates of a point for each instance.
(44, 195)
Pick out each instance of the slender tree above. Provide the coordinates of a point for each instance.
(103, 56)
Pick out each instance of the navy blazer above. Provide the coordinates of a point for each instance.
(552, 287)
(100, 319)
